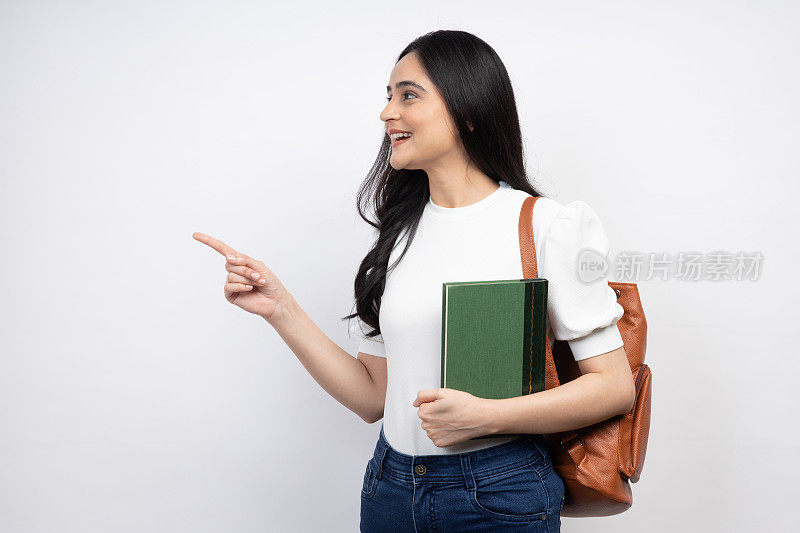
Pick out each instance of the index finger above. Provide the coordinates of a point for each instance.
(216, 244)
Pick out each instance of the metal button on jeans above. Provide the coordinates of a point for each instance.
(420, 469)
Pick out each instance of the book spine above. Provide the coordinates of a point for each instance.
(527, 341)
(539, 335)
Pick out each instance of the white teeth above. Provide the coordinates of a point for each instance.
(396, 136)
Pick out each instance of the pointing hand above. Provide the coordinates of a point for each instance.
(249, 283)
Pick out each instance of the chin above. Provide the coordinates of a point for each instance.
(397, 165)
(400, 163)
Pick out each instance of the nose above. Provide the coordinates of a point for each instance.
(389, 113)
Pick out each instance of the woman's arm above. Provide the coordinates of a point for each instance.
(253, 287)
(604, 389)
(340, 374)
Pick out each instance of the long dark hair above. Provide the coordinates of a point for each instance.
(476, 88)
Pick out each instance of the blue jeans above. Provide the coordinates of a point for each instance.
(507, 487)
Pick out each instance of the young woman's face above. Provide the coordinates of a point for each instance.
(414, 105)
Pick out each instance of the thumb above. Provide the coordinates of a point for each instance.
(427, 395)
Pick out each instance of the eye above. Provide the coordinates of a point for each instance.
(404, 94)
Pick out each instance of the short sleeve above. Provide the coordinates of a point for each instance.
(368, 345)
(582, 307)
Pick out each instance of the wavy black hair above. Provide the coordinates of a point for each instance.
(484, 99)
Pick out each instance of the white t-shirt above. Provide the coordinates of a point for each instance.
(480, 241)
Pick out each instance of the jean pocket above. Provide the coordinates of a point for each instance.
(515, 495)
(370, 480)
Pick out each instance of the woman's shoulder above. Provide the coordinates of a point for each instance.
(546, 211)
(555, 216)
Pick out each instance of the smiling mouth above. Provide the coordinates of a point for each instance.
(400, 140)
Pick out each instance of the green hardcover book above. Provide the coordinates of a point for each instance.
(493, 338)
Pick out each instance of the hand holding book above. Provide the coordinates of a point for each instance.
(493, 337)
(451, 416)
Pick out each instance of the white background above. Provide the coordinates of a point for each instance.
(134, 398)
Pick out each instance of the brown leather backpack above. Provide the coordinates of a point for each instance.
(597, 462)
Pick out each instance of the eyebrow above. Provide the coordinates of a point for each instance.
(405, 83)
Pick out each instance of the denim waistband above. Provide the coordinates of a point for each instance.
(465, 466)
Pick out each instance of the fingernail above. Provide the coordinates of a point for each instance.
(232, 257)
(254, 275)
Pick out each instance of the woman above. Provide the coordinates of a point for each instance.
(447, 188)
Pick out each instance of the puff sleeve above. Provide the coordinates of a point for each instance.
(582, 310)
(369, 345)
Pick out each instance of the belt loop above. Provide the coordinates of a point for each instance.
(383, 447)
(466, 469)
(541, 447)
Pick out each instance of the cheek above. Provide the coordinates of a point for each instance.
(435, 142)
(433, 134)
(443, 136)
